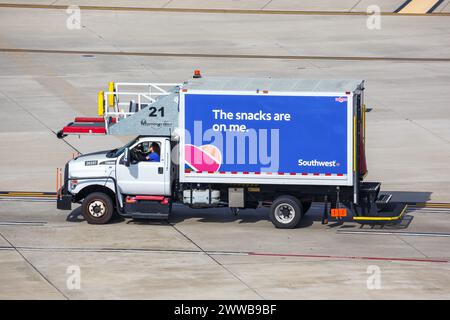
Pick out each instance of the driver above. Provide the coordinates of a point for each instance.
(154, 152)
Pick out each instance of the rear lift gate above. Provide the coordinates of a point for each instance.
(391, 213)
(376, 208)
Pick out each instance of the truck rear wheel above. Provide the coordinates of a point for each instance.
(286, 212)
(97, 208)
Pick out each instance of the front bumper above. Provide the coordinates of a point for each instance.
(64, 198)
(64, 201)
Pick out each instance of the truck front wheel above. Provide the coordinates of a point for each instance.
(286, 212)
(97, 208)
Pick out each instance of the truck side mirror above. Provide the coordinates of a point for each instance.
(126, 157)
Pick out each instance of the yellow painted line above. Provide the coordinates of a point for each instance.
(433, 205)
(27, 195)
(418, 6)
(381, 218)
(24, 193)
(224, 11)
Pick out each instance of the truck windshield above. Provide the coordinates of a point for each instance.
(117, 152)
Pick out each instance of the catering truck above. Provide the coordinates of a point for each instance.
(226, 142)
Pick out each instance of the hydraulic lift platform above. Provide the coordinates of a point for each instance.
(376, 207)
(393, 212)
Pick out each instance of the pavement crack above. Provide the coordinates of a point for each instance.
(428, 130)
(411, 246)
(354, 6)
(166, 4)
(31, 114)
(33, 266)
(27, 111)
(264, 6)
(216, 261)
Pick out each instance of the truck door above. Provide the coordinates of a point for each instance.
(145, 177)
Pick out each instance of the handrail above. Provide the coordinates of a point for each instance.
(141, 98)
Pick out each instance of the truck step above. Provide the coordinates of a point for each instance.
(149, 216)
(384, 198)
(382, 201)
(370, 187)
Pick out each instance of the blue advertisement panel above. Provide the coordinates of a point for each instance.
(265, 134)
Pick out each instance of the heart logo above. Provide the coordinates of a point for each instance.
(203, 158)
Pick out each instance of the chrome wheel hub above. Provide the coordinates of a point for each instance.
(97, 208)
(284, 213)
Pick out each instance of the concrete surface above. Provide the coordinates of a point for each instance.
(408, 127)
(408, 139)
(293, 5)
(444, 7)
(139, 260)
(267, 5)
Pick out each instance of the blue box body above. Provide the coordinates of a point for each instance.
(289, 136)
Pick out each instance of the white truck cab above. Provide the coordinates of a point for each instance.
(140, 175)
(126, 171)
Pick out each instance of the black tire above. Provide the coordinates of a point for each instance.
(306, 206)
(98, 201)
(294, 212)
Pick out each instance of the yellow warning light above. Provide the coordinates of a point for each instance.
(101, 104)
(111, 96)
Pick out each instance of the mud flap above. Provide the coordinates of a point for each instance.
(64, 202)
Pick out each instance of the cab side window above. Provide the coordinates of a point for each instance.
(146, 151)
(154, 152)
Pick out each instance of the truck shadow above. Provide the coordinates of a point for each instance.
(409, 196)
(224, 215)
(76, 216)
(414, 199)
(181, 213)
